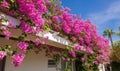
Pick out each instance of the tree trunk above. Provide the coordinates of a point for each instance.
(110, 37)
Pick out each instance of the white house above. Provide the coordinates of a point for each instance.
(34, 62)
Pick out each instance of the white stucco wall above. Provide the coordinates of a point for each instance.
(32, 62)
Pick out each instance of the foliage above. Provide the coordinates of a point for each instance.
(115, 66)
(88, 64)
(38, 16)
(115, 53)
(109, 33)
(118, 33)
(116, 48)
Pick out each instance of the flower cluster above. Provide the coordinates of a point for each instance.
(5, 4)
(29, 9)
(2, 54)
(37, 15)
(23, 46)
(26, 28)
(6, 32)
(17, 59)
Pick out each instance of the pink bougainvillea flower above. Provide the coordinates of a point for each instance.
(11, 12)
(23, 46)
(74, 39)
(12, 26)
(89, 50)
(96, 62)
(68, 59)
(73, 54)
(77, 47)
(37, 41)
(63, 58)
(26, 28)
(67, 9)
(38, 30)
(49, 22)
(35, 14)
(7, 34)
(39, 21)
(57, 27)
(3, 28)
(83, 59)
(46, 37)
(43, 43)
(41, 5)
(5, 4)
(56, 19)
(17, 59)
(66, 28)
(2, 54)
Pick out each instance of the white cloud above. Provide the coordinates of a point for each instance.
(111, 13)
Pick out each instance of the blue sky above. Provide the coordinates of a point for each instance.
(103, 13)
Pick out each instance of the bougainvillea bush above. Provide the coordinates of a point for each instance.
(38, 16)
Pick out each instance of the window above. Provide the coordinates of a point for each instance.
(51, 63)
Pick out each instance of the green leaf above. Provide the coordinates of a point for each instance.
(12, 1)
(52, 0)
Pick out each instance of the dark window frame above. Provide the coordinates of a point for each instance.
(51, 63)
(2, 63)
